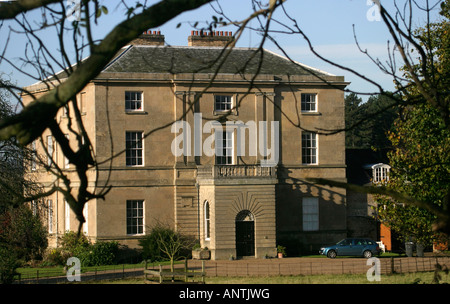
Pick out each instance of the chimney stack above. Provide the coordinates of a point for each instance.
(217, 38)
(149, 38)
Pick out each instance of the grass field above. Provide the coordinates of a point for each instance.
(408, 278)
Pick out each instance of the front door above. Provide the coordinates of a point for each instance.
(245, 237)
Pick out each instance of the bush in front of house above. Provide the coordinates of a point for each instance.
(8, 265)
(100, 253)
(74, 245)
(151, 244)
(164, 243)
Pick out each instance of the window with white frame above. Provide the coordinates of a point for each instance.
(133, 101)
(135, 216)
(50, 216)
(310, 208)
(86, 218)
(308, 102)
(33, 156)
(134, 148)
(224, 147)
(82, 103)
(66, 216)
(49, 150)
(223, 103)
(207, 221)
(309, 148)
(34, 207)
(66, 160)
(380, 173)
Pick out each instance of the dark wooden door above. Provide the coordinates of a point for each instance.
(245, 238)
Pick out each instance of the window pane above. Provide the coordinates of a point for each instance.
(135, 217)
(309, 148)
(222, 102)
(207, 221)
(224, 148)
(310, 209)
(134, 148)
(133, 101)
(308, 102)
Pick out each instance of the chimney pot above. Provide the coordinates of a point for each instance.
(210, 38)
(149, 38)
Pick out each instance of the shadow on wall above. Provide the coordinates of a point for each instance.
(302, 227)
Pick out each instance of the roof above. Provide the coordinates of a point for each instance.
(153, 59)
(190, 59)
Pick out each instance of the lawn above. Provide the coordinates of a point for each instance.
(408, 278)
(52, 271)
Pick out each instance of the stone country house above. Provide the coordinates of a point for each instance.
(249, 196)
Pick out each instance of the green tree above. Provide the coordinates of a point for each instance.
(23, 233)
(353, 115)
(8, 265)
(421, 159)
(420, 167)
(367, 123)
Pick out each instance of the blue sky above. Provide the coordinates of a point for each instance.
(328, 23)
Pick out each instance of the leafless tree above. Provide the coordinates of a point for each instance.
(29, 124)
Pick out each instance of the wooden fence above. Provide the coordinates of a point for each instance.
(319, 266)
(167, 276)
(260, 267)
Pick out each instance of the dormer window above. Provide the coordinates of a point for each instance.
(380, 173)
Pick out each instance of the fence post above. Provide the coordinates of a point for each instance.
(185, 270)
(392, 265)
(203, 272)
(145, 270)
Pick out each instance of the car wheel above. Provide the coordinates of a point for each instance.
(367, 254)
(331, 254)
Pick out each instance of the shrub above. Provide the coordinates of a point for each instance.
(54, 257)
(23, 233)
(163, 243)
(150, 244)
(8, 265)
(100, 253)
(73, 243)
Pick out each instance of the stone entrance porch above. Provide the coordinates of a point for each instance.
(226, 192)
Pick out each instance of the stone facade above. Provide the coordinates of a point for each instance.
(262, 205)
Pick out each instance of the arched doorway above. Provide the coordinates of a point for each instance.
(245, 234)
